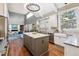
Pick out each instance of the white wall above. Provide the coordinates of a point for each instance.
(53, 22)
(45, 25)
(15, 18)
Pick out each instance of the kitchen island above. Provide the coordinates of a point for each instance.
(36, 43)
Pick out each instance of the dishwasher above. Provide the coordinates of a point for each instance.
(51, 37)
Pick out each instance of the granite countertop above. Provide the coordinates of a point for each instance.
(35, 34)
(73, 41)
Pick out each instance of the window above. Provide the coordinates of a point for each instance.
(68, 20)
(13, 26)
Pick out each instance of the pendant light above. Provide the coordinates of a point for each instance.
(66, 17)
(32, 7)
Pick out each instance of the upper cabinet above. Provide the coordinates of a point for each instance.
(2, 9)
(6, 14)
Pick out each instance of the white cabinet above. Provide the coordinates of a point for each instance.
(71, 46)
(71, 50)
(59, 38)
(6, 14)
(2, 9)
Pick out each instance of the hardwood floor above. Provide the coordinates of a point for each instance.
(17, 49)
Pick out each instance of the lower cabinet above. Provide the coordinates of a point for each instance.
(37, 46)
(71, 50)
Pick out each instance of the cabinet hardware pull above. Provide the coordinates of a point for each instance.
(42, 41)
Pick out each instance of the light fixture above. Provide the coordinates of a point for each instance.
(33, 7)
(66, 17)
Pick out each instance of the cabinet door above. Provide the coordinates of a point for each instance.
(6, 28)
(2, 9)
(2, 26)
(41, 45)
(6, 13)
(33, 46)
(62, 39)
(56, 40)
(71, 50)
(59, 40)
(26, 38)
(30, 43)
(45, 43)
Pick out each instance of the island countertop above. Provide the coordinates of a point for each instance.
(73, 41)
(35, 34)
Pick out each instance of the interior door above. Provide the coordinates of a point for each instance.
(21, 28)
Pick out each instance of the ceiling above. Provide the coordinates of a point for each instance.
(45, 8)
(17, 8)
